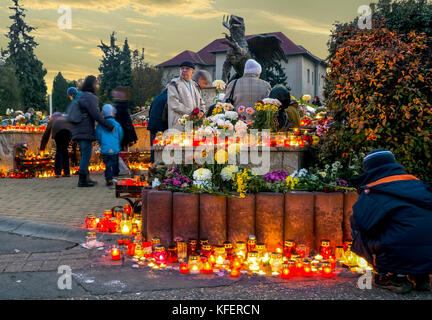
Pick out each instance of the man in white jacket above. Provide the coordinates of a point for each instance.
(183, 96)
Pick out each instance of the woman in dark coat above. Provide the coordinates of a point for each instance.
(392, 224)
(121, 96)
(84, 132)
(288, 115)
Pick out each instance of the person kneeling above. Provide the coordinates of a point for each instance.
(109, 142)
(392, 222)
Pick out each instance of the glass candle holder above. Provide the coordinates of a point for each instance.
(251, 244)
(90, 238)
(115, 253)
(206, 267)
(181, 251)
(289, 248)
(302, 250)
(192, 247)
(206, 251)
(220, 255)
(241, 250)
(261, 249)
(160, 255)
(155, 242)
(307, 269)
(194, 264)
(229, 250)
(286, 271)
(131, 249)
(184, 268)
(325, 249)
(276, 262)
(172, 254)
(326, 270)
(202, 243)
(139, 251)
(90, 221)
(147, 250)
(253, 261)
(108, 214)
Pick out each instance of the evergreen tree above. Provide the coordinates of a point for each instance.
(272, 72)
(10, 95)
(29, 70)
(109, 68)
(125, 72)
(60, 99)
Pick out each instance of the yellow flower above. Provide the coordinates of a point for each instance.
(292, 182)
(221, 156)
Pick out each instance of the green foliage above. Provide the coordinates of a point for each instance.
(146, 80)
(29, 71)
(60, 100)
(10, 95)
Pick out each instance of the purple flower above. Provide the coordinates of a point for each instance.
(275, 176)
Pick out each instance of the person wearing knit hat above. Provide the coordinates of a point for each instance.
(392, 222)
(109, 142)
(252, 67)
(249, 89)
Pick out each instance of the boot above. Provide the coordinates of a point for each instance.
(82, 181)
(421, 282)
(394, 283)
(89, 181)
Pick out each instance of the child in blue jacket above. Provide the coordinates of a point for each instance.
(109, 142)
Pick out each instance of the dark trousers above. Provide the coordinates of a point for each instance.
(62, 140)
(86, 147)
(111, 166)
(152, 137)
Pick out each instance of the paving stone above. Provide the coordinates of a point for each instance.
(75, 264)
(56, 201)
(14, 267)
(49, 265)
(3, 266)
(32, 266)
(45, 256)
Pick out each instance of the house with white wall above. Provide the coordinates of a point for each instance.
(305, 72)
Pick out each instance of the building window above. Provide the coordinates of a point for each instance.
(308, 75)
(312, 77)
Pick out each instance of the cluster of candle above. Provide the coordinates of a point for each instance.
(280, 139)
(22, 128)
(132, 182)
(139, 166)
(249, 257)
(119, 220)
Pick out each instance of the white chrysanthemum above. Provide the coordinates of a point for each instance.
(231, 115)
(228, 171)
(202, 184)
(202, 175)
(219, 84)
(155, 183)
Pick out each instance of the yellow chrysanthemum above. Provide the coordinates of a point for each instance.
(221, 156)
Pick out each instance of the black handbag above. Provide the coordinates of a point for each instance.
(231, 96)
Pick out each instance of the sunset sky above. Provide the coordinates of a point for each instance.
(166, 27)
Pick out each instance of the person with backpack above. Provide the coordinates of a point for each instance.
(83, 129)
(121, 97)
(157, 122)
(109, 142)
(60, 129)
(391, 224)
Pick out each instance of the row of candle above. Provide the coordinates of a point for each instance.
(280, 139)
(247, 257)
(18, 128)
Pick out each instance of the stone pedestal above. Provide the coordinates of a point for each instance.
(260, 160)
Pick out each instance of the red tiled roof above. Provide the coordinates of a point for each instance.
(206, 55)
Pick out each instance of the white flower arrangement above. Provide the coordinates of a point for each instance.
(219, 84)
(240, 127)
(202, 174)
(228, 171)
(183, 119)
(274, 102)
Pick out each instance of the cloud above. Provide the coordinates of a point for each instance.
(97, 52)
(297, 24)
(139, 21)
(195, 9)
